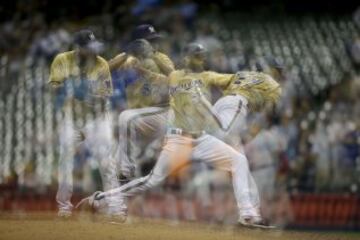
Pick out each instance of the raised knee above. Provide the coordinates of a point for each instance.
(127, 115)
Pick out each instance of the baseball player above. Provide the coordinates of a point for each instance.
(81, 82)
(147, 100)
(187, 139)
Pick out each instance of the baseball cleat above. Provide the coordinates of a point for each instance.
(117, 218)
(117, 209)
(250, 222)
(64, 214)
(114, 209)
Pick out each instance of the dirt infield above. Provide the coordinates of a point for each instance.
(84, 226)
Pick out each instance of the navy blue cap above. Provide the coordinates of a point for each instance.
(145, 31)
(86, 39)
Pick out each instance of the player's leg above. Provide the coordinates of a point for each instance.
(65, 167)
(265, 180)
(224, 157)
(150, 121)
(100, 140)
(147, 134)
(175, 155)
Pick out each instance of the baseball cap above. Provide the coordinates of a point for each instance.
(145, 31)
(194, 49)
(86, 39)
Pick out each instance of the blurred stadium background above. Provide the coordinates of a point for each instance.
(311, 144)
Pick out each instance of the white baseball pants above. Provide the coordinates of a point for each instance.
(97, 136)
(150, 122)
(178, 151)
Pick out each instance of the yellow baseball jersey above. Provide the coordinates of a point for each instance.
(77, 86)
(189, 114)
(143, 91)
(165, 61)
(258, 88)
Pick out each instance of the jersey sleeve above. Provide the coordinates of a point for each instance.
(57, 71)
(219, 79)
(130, 62)
(117, 61)
(164, 63)
(104, 78)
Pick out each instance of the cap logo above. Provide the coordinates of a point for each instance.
(151, 29)
(91, 36)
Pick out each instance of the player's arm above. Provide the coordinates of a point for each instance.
(221, 80)
(205, 102)
(57, 73)
(117, 61)
(164, 62)
(104, 78)
(135, 64)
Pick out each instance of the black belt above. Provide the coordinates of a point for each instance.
(181, 132)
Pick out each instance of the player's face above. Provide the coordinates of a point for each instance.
(155, 43)
(148, 51)
(197, 61)
(84, 52)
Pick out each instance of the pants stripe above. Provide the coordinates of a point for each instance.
(225, 129)
(238, 111)
(137, 184)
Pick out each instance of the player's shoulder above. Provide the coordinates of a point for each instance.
(120, 55)
(64, 56)
(129, 60)
(101, 61)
